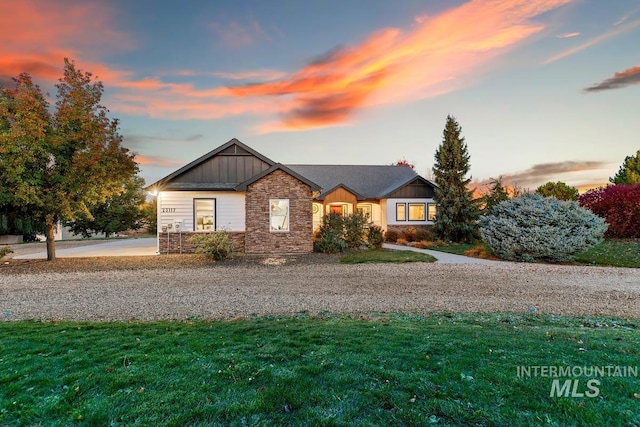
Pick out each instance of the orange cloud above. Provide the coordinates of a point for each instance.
(438, 54)
(435, 57)
(158, 161)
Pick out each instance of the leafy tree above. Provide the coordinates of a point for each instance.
(536, 228)
(497, 193)
(457, 211)
(559, 190)
(629, 172)
(56, 165)
(404, 162)
(121, 211)
(150, 216)
(619, 205)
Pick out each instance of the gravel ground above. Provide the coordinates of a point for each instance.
(184, 287)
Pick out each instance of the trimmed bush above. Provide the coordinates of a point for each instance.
(375, 237)
(330, 235)
(5, 251)
(354, 230)
(533, 228)
(422, 234)
(391, 236)
(619, 205)
(408, 234)
(216, 245)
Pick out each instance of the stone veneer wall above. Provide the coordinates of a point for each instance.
(182, 239)
(278, 185)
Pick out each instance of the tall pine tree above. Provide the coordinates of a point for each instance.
(457, 211)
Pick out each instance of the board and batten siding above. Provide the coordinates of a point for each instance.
(177, 206)
(391, 211)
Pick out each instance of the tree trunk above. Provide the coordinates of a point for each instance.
(51, 239)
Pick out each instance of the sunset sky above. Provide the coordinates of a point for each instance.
(543, 89)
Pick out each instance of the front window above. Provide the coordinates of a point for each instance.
(365, 211)
(401, 212)
(416, 211)
(279, 214)
(431, 211)
(204, 212)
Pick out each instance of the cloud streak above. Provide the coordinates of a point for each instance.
(594, 41)
(625, 78)
(436, 56)
(544, 172)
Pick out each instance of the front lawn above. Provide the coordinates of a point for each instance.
(384, 255)
(613, 252)
(444, 370)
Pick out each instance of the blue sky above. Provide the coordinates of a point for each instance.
(543, 89)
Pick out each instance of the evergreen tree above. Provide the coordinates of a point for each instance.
(457, 212)
(497, 193)
(629, 172)
(559, 190)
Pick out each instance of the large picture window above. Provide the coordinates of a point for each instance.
(204, 213)
(431, 211)
(401, 211)
(279, 215)
(417, 212)
(365, 210)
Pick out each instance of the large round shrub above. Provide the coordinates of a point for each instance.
(534, 228)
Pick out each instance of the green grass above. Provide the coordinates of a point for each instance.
(384, 255)
(612, 252)
(392, 370)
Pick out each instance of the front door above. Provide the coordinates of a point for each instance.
(336, 209)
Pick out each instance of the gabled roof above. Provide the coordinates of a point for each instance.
(328, 191)
(278, 166)
(366, 181)
(200, 160)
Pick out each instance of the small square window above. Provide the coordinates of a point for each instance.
(401, 211)
(279, 215)
(416, 212)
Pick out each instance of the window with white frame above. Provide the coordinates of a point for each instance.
(431, 211)
(204, 214)
(279, 215)
(417, 212)
(365, 209)
(401, 211)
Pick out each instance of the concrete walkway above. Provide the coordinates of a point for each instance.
(442, 257)
(121, 247)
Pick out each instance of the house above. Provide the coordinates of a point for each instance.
(268, 207)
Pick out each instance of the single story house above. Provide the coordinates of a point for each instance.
(268, 207)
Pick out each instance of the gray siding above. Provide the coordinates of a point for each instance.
(224, 168)
(415, 189)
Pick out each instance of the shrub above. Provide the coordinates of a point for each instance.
(330, 236)
(391, 236)
(619, 205)
(402, 242)
(422, 234)
(216, 245)
(374, 237)
(479, 251)
(354, 230)
(5, 251)
(534, 228)
(408, 234)
(424, 244)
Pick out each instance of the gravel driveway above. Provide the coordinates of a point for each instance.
(172, 288)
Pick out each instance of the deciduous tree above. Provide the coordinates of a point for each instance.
(457, 211)
(56, 165)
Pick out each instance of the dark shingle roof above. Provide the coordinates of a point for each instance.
(369, 182)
